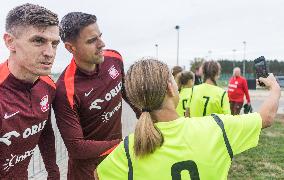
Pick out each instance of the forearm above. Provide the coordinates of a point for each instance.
(86, 149)
(77, 145)
(269, 107)
(246, 92)
(247, 95)
(47, 149)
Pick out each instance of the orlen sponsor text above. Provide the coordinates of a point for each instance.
(7, 138)
(112, 93)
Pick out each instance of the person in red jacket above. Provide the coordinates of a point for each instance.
(237, 89)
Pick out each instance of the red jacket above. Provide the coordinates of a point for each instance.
(237, 88)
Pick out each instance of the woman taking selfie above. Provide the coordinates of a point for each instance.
(166, 146)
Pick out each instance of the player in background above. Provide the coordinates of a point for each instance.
(166, 146)
(185, 82)
(88, 101)
(208, 98)
(198, 75)
(238, 87)
(26, 91)
(176, 70)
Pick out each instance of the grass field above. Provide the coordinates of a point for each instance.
(266, 161)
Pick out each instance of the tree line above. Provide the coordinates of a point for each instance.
(274, 66)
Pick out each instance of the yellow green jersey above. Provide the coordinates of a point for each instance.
(193, 148)
(184, 96)
(207, 99)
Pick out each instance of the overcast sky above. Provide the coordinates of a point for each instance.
(134, 27)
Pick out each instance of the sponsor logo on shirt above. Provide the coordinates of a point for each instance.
(113, 72)
(88, 93)
(7, 116)
(95, 105)
(107, 115)
(17, 158)
(233, 85)
(44, 106)
(6, 139)
(112, 93)
(34, 129)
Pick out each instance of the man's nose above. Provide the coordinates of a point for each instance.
(49, 51)
(101, 43)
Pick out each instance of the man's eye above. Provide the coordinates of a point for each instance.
(55, 44)
(92, 40)
(38, 41)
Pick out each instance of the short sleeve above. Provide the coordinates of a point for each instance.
(114, 166)
(226, 104)
(243, 130)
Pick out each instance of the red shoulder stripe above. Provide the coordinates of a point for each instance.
(109, 151)
(4, 71)
(69, 81)
(112, 53)
(48, 80)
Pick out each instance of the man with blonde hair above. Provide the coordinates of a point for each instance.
(237, 89)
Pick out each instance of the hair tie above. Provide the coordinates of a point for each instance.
(146, 110)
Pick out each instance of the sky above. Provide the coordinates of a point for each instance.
(210, 29)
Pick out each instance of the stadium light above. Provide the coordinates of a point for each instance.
(157, 46)
(244, 61)
(177, 27)
(234, 57)
(209, 55)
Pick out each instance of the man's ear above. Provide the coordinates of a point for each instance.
(69, 46)
(9, 40)
(170, 89)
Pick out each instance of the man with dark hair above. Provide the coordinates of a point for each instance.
(89, 96)
(26, 91)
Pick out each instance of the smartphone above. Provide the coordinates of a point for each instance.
(260, 69)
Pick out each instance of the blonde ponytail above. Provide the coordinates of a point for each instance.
(147, 136)
(146, 85)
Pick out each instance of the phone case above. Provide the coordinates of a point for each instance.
(260, 68)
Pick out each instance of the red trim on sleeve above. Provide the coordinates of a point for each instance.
(112, 53)
(4, 71)
(48, 80)
(69, 81)
(109, 151)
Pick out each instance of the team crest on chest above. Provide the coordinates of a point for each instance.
(44, 106)
(113, 72)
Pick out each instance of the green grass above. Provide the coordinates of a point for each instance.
(266, 161)
(222, 83)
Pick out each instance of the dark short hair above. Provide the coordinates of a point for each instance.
(30, 15)
(176, 70)
(72, 23)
